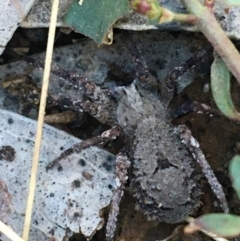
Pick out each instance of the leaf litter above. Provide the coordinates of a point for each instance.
(13, 66)
(71, 195)
(98, 70)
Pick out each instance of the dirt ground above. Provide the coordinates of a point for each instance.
(218, 137)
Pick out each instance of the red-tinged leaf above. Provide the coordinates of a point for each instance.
(150, 8)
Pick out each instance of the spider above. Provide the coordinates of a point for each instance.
(163, 180)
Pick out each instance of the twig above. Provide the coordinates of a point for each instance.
(38, 139)
(63, 117)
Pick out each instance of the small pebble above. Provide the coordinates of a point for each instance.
(206, 88)
(238, 145)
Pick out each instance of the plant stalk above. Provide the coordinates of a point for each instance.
(210, 27)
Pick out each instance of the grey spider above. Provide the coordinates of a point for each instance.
(165, 183)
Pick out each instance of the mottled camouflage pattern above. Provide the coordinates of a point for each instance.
(164, 182)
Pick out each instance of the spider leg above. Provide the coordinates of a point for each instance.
(98, 102)
(146, 79)
(193, 106)
(170, 82)
(122, 164)
(100, 140)
(193, 145)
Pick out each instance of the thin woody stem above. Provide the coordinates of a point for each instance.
(210, 27)
(169, 16)
(187, 18)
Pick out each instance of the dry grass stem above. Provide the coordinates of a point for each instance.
(9, 232)
(36, 154)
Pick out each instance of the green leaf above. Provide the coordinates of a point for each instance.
(220, 224)
(94, 18)
(220, 84)
(230, 2)
(234, 170)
